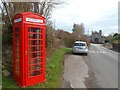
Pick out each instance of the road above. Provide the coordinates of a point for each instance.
(103, 67)
(99, 69)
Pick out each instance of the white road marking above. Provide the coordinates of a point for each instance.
(103, 52)
(98, 52)
(89, 51)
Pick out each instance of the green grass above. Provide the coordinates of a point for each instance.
(54, 70)
(116, 41)
(8, 82)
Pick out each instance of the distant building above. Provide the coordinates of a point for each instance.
(96, 37)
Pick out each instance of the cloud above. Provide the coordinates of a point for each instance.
(95, 14)
(109, 23)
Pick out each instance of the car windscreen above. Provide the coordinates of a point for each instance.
(79, 44)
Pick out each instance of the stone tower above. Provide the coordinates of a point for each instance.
(96, 37)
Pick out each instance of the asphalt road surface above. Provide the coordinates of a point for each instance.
(103, 67)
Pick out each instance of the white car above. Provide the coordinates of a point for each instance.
(80, 47)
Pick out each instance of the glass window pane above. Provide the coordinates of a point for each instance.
(16, 52)
(34, 48)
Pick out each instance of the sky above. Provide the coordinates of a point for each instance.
(95, 14)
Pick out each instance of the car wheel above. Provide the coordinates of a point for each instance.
(86, 54)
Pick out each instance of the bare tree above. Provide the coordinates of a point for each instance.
(47, 6)
(78, 30)
(9, 9)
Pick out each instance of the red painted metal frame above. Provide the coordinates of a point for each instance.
(22, 79)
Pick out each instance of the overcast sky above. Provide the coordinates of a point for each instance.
(95, 14)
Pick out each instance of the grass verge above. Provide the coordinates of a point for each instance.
(54, 70)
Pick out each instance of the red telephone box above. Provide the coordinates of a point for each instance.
(29, 51)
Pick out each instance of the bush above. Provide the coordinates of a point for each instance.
(66, 38)
(7, 55)
(7, 35)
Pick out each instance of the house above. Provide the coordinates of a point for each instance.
(97, 37)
